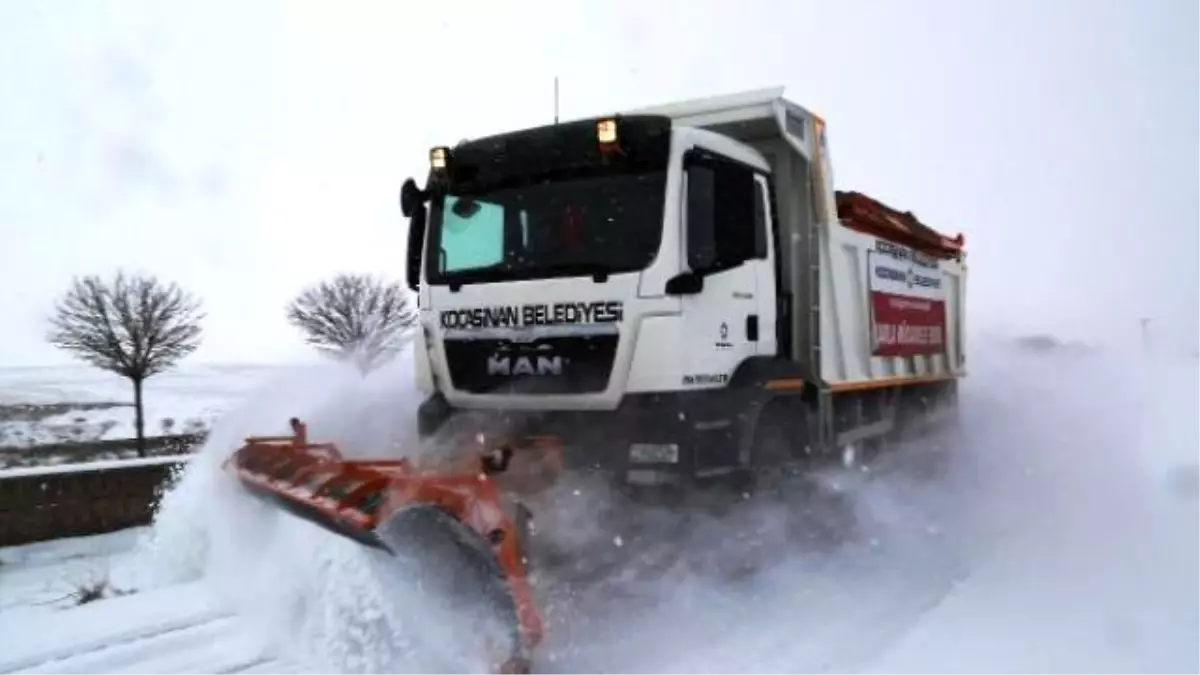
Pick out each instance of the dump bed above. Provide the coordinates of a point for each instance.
(876, 297)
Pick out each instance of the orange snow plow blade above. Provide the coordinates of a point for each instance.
(356, 499)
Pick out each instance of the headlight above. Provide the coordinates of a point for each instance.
(438, 158)
(654, 453)
(606, 131)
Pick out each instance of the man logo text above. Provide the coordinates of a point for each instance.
(500, 364)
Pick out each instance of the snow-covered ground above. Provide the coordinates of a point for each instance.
(44, 576)
(1066, 537)
(40, 405)
(174, 629)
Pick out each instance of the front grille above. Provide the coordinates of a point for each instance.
(548, 365)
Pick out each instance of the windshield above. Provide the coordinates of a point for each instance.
(595, 225)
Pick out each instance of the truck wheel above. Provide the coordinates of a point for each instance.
(777, 440)
(792, 479)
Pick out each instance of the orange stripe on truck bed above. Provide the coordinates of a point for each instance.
(785, 383)
(898, 381)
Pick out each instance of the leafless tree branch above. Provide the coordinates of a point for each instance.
(134, 326)
(354, 317)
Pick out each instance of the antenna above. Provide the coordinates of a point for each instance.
(556, 99)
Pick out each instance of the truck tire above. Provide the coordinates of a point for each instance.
(787, 479)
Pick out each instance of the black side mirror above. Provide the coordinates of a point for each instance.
(687, 283)
(416, 243)
(411, 196)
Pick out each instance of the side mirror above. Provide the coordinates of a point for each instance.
(411, 197)
(687, 283)
(416, 245)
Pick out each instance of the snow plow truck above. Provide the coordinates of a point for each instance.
(666, 302)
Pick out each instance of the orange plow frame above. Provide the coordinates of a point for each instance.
(352, 498)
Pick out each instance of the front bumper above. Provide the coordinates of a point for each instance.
(652, 439)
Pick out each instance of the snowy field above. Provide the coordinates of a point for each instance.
(180, 628)
(1064, 539)
(80, 403)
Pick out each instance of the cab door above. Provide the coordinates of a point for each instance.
(731, 316)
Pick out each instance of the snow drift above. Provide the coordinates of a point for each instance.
(1063, 536)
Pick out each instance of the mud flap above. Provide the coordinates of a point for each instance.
(456, 567)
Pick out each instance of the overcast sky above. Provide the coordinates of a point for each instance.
(246, 149)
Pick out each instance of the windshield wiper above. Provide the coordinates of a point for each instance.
(598, 272)
(499, 272)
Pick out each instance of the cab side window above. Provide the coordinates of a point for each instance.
(725, 216)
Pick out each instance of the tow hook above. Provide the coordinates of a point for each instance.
(496, 460)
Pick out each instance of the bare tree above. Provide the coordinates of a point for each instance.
(134, 326)
(355, 317)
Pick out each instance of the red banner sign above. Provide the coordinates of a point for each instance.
(907, 326)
